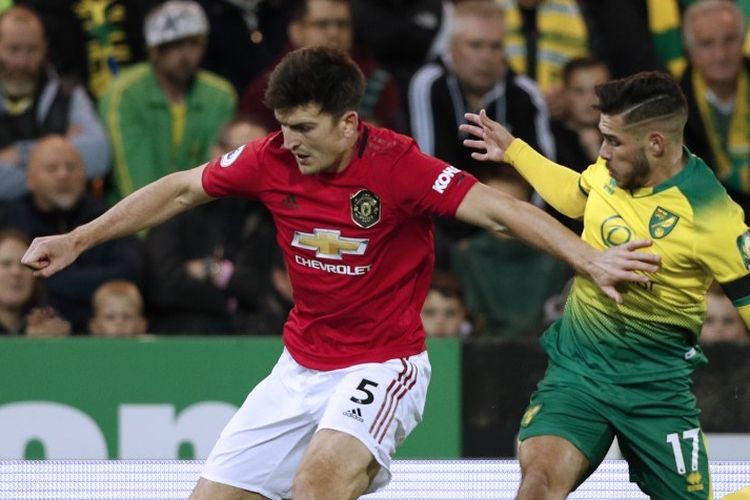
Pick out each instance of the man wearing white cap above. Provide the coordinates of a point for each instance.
(163, 115)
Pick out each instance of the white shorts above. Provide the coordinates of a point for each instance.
(261, 447)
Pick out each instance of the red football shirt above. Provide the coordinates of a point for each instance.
(358, 244)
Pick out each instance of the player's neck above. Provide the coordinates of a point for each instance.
(348, 154)
(670, 166)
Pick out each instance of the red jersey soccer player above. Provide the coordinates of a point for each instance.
(351, 203)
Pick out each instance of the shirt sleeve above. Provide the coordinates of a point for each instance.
(557, 185)
(723, 247)
(424, 185)
(237, 173)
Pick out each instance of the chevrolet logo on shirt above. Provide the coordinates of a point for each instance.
(329, 244)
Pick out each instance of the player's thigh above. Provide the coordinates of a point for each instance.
(553, 459)
(209, 490)
(666, 454)
(262, 445)
(562, 408)
(380, 404)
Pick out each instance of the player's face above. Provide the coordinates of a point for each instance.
(716, 46)
(477, 53)
(625, 153)
(319, 142)
(581, 97)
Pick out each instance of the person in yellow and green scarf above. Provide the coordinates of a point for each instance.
(717, 86)
(542, 36)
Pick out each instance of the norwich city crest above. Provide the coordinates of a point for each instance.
(365, 208)
(662, 222)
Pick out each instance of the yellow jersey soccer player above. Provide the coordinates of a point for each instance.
(624, 369)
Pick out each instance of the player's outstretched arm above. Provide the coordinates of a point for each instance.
(491, 209)
(558, 185)
(145, 208)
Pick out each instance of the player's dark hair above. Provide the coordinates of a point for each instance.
(579, 63)
(323, 76)
(643, 96)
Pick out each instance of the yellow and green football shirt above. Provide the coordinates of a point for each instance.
(698, 231)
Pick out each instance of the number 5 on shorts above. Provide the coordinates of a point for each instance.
(369, 398)
(674, 440)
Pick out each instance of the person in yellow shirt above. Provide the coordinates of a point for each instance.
(624, 369)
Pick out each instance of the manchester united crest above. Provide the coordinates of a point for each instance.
(365, 208)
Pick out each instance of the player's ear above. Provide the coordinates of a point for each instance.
(657, 143)
(350, 123)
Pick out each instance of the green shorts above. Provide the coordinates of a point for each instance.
(656, 425)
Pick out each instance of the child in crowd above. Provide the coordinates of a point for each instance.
(118, 310)
(443, 312)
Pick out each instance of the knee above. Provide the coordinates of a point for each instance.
(309, 484)
(539, 483)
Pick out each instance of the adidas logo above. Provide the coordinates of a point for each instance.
(356, 414)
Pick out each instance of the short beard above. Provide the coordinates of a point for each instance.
(639, 172)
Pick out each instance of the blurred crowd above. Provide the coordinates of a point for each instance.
(100, 97)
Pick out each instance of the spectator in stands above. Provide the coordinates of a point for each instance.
(328, 23)
(118, 310)
(576, 131)
(444, 313)
(58, 202)
(92, 41)
(472, 75)
(163, 115)
(35, 102)
(717, 85)
(275, 305)
(723, 323)
(254, 28)
(240, 130)
(542, 36)
(209, 266)
(402, 34)
(577, 137)
(20, 313)
(507, 283)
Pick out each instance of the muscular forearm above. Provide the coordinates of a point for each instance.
(145, 208)
(556, 184)
(488, 208)
(536, 227)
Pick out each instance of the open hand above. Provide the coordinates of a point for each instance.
(491, 138)
(621, 264)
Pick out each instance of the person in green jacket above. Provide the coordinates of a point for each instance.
(163, 115)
